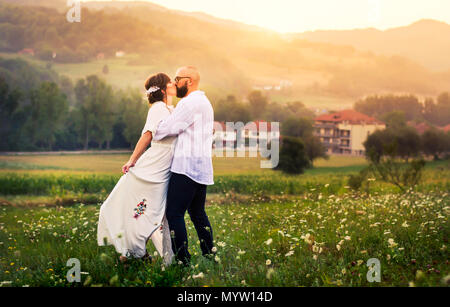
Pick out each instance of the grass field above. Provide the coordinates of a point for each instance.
(270, 229)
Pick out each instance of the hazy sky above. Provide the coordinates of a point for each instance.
(304, 15)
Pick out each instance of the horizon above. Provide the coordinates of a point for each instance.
(352, 14)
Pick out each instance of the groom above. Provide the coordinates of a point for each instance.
(192, 120)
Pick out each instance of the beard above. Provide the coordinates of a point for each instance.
(182, 91)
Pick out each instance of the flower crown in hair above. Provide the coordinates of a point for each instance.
(152, 89)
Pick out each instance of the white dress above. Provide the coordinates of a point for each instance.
(135, 209)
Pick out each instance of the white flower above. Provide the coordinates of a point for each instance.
(152, 89)
(199, 275)
(221, 244)
(268, 262)
(392, 242)
(348, 238)
(289, 254)
(405, 224)
(240, 252)
(214, 249)
(268, 242)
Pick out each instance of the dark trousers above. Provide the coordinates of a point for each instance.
(185, 194)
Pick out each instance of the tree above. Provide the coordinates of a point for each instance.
(394, 119)
(258, 104)
(434, 142)
(134, 115)
(303, 129)
(95, 111)
(47, 114)
(389, 154)
(293, 158)
(230, 110)
(9, 104)
(297, 127)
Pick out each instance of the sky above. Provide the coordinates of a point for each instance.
(307, 15)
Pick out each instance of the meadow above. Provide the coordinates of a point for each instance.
(270, 229)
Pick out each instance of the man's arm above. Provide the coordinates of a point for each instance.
(181, 118)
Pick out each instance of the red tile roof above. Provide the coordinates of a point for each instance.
(352, 116)
(250, 126)
(445, 128)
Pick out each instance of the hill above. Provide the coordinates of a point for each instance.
(233, 57)
(426, 41)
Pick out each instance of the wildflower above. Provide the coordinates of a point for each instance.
(290, 253)
(216, 258)
(348, 238)
(359, 262)
(405, 224)
(338, 247)
(268, 242)
(214, 249)
(199, 275)
(221, 244)
(240, 252)
(392, 243)
(268, 262)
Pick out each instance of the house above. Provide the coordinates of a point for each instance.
(28, 51)
(222, 137)
(422, 127)
(445, 128)
(344, 132)
(249, 135)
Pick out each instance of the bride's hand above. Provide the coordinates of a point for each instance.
(126, 167)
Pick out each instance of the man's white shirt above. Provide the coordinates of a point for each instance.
(193, 121)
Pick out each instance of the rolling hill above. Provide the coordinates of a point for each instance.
(326, 66)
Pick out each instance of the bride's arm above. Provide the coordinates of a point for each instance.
(141, 146)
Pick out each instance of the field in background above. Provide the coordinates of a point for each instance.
(112, 163)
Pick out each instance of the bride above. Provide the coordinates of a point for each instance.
(134, 211)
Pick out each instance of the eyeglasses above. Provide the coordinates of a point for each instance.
(179, 78)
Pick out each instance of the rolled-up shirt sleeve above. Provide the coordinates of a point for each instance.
(180, 119)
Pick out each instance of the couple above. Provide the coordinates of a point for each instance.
(158, 186)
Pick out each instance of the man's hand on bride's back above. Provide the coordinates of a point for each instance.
(126, 167)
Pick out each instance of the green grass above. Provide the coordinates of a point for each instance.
(259, 244)
(44, 222)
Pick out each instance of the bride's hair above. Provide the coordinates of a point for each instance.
(159, 80)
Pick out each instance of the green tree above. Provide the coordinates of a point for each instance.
(434, 142)
(134, 115)
(258, 104)
(9, 104)
(389, 154)
(394, 119)
(95, 111)
(293, 158)
(48, 112)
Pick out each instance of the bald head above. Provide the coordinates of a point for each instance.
(191, 72)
